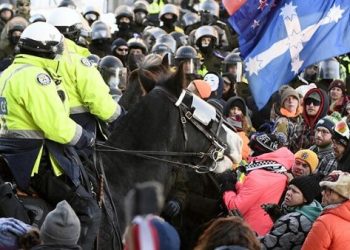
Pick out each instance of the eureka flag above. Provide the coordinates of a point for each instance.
(279, 38)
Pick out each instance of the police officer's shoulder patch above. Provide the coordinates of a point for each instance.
(86, 62)
(43, 79)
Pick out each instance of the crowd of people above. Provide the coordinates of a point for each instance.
(67, 78)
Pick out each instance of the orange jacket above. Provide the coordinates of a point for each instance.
(331, 230)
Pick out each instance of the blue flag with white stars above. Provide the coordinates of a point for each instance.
(278, 39)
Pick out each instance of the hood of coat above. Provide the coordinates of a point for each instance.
(324, 104)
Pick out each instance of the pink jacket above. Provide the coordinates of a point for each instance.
(260, 186)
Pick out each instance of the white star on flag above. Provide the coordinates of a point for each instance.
(288, 11)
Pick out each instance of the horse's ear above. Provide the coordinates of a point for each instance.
(179, 80)
(166, 60)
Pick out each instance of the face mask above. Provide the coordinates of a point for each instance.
(168, 22)
(208, 49)
(124, 26)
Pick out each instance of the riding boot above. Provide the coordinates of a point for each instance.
(89, 213)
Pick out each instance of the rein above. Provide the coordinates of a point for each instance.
(215, 152)
(100, 147)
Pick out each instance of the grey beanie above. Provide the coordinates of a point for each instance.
(61, 226)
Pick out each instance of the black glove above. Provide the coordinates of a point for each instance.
(227, 180)
(172, 208)
(87, 139)
(273, 210)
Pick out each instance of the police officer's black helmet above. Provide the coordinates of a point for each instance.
(94, 59)
(124, 11)
(137, 43)
(100, 30)
(232, 58)
(109, 63)
(141, 5)
(190, 18)
(211, 7)
(186, 52)
(67, 3)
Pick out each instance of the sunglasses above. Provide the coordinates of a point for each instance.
(313, 101)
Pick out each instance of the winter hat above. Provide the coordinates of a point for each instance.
(152, 232)
(240, 104)
(308, 156)
(203, 88)
(10, 230)
(308, 185)
(286, 91)
(338, 83)
(339, 182)
(117, 43)
(329, 121)
(61, 226)
(341, 133)
(282, 156)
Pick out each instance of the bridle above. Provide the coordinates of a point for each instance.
(215, 152)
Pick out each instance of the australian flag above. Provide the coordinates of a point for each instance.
(279, 38)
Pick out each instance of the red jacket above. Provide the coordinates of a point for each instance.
(331, 230)
(260, 186)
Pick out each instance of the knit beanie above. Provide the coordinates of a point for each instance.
(329, 121)
(308, 156)
(339, 182)
(286, 91)
(152, 232)
(341, 133)
(308, 185)
(240, 104)
(61, 226)
(338, 83)
(118, 42)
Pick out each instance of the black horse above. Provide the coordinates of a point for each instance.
(159, 123)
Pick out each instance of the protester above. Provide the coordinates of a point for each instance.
(323, 144)
(331, 230)
(229, 232)
(263, 172)
(61, 229)
(299, 210)
(340, 138)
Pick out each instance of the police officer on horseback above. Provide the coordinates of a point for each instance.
(37, 137)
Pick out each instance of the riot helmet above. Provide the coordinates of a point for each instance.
(41, 39)
(67, 21)
(180, 38)
(140, 11)
(123, 11)
(206, 31)
(329, 69)
(169, 14)
(91, 13)
(100, 31)
(6, 11)
(209, 11)
(189, 19)
(137, 43)
(233, 65)
(150, 35)
(114, 74)
(168, 40)
(14, 29)
(94, 59)
(189, 56)
(67, 3)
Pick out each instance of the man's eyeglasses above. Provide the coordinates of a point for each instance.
(322, 131)
(313, 101)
